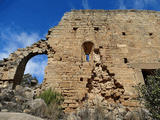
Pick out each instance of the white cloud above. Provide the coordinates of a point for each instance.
(138, 4)
(72, 6)
(3, 55)
(11, 40)
(85, 4)
(35, 67)
(121, 4)
(27, 39)
(142, 4)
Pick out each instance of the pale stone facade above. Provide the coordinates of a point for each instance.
(95, 53)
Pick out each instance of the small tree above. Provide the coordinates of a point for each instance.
(150, 92)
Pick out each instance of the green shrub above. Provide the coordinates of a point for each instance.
(53, 100)
(51, 96)
(150, 92)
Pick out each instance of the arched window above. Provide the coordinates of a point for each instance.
(87, 48)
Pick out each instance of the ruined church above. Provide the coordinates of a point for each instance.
(94, 53)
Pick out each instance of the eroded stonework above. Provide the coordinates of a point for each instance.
(12, 68)
(94, 53)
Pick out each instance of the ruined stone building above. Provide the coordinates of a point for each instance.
(94, 53)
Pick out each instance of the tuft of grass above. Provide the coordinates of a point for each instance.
(51, 96)
(53, 99)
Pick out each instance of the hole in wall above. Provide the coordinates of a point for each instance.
(60, 59)
(81, 79)
(100, 46)
(96, 28)
(125, 60)
(123, 33)
(75, 28)
(96, 51)
(150, 34)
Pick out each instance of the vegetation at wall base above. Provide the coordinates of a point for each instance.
(53, 99)
(150, 93)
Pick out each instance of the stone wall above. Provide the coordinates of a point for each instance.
(97, 53)
(12, 68)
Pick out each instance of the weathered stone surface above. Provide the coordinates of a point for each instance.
(108, 111)
(36, 106)
(94, 53)
(17, 116)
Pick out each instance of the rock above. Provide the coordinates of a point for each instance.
(6, 95)
(4, 110)
(19, 99)
(0, 106)
(34, 82)
(1, 75)
(26, 111)
(19, 88)
(29, 95)
(17, 116)
(36, 104)
(6, 84)
(37, 107)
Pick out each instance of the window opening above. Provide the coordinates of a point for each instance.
(87, 47)
(87, 57)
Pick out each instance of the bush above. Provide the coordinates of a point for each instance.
(51, 96)
(53, 100)
(150, 92)
(86, 113)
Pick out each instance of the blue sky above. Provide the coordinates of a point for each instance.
(23, 22)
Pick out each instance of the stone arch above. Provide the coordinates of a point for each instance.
(21, 67)
(87, 50)
(41, 47)
(17, 61)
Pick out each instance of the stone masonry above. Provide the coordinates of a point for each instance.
(91, 53)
